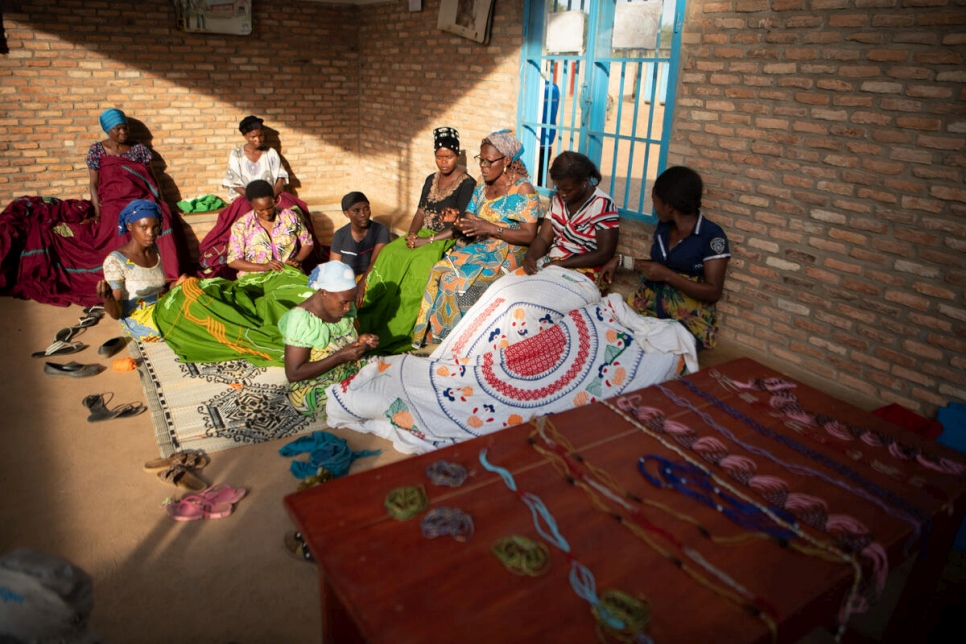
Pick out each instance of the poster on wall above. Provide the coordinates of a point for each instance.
(468, 18)
(636, 25)
(233, 17)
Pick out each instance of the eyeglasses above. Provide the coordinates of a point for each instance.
(486, 163)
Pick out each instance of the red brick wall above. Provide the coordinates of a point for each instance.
(415, 78)
(832, 138)
(71, 59)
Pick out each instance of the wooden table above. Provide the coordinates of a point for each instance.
(382, 581)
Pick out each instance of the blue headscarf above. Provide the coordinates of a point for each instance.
(135, 211)
(111, 118)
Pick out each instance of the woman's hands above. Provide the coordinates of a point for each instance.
(273, 265)
(609, 269)
(354, 351)
(472, 226)
(106, 294)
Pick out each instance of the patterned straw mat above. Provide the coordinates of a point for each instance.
(214, 407)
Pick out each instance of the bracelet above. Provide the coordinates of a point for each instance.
(499, 232)
(432, 238)
(627, 262)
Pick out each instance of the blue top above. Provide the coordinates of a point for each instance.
(706, 241)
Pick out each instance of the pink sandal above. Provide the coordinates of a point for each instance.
(216, 502)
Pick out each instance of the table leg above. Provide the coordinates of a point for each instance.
(337, 625)
(912, 613)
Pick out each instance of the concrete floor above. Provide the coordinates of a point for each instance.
(77, 490)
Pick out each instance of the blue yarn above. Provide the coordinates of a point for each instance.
(325, 450)
(581, 578)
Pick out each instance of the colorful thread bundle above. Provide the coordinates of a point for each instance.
(783, 400)
(598, 484)
(451, 521)
(403, 503)
(890, 503)
(522, 555)
(581, 578)
(853, 600)
(848, 532)
(446, 474)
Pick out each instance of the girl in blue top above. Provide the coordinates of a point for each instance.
(685, 274)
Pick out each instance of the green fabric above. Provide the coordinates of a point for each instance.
(394, 291)
(216, 320)
(201, 204)
(300, 328)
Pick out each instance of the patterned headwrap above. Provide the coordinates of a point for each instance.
(334, 277)
(135, 211)
(250, 123)
(446, 137)
(509, 146)
(111, 118)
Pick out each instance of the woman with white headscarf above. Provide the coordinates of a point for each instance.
(500, 222)
(322, 346)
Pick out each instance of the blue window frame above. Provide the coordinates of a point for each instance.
(598, 77)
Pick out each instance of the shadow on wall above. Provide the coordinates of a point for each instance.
(140, 133)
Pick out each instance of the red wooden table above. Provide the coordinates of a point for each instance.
(382, 581)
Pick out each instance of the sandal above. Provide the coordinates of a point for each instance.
(181, 477)
(60, 348)
(193, 507)
(295, 546)
(223, 493)
(97, 403)
(111, 347)
(188, 460)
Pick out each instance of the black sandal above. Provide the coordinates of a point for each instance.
(97, 403)
(295, 546)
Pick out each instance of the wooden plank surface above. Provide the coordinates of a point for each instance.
(397, 586)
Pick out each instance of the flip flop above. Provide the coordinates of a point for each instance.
(99, 411)
(189, 460)
(193, 507)
(86, 321)
(223, 493)
(64, 334)
(96, 310)
(111, 347)
(60, 348)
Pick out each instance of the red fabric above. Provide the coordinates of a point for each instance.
(56, 269)
(213, 249)
(899, 415)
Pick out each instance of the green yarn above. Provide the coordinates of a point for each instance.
(522, 555)
(404, 503)
(633, 612)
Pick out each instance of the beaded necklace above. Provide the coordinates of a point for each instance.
(852, 603)
(560, 454)
(891, 503)
(617, 614)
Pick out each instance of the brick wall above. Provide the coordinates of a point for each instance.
(415, 78)
(350, 94)
(70, 59)
(832, 138)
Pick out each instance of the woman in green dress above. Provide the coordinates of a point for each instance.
(394, 287)
(322, 346)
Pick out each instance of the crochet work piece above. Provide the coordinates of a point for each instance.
(446, 474)
(522, 556)
(403, 503)
(451, 521)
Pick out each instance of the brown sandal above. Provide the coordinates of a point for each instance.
(181, 477)
(187, 460)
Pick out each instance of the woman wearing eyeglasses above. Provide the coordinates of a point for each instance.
(499, 223)
(580, 231)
